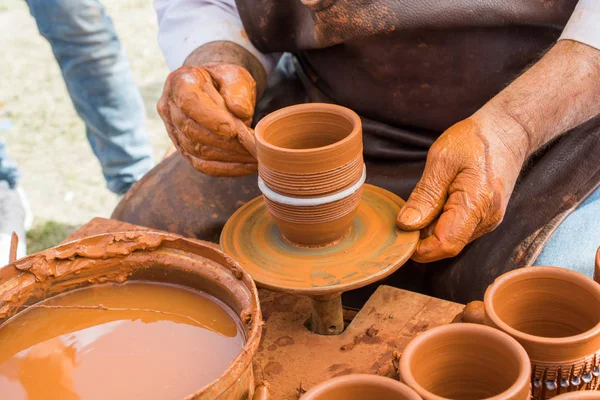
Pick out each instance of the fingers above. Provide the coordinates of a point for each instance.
(427, 199)
(451, 233)
(187, 92)
(198, 134)
(203, 144)
(217, 168)
(237, 87)
(199, 118)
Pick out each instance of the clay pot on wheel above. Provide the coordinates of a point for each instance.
(361, 387)
(466, 361)
(311, 170)
(554, 314)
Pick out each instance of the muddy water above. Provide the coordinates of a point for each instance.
(137, 340)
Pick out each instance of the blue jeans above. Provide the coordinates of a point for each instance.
(575, 242)
(97, 75)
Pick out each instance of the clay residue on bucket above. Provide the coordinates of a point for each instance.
(146, 256)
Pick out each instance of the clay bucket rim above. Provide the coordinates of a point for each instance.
(549, 272)
(303, 109)
(323, 387)
(523, 379)
(162, 241)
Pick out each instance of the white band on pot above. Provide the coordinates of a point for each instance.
(313, 201)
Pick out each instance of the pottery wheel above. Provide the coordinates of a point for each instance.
(372, 250)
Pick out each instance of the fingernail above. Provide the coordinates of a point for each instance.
(409, 216)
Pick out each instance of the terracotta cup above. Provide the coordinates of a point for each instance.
(554, 314)
(597, 267)
(311, 170)
(361, 387)
(466, 361)
(583, 395)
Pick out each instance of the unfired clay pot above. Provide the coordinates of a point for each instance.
(466, 361)
(584, 395)
(306, 154)
(554, 314)
(361, 387)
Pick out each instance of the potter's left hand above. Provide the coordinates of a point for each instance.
(469, 176)
(472, 168)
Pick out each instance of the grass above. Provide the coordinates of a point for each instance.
(46, 234)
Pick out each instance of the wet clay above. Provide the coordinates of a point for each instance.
(135, 256)
(361, 387)
(373, 249)
(554, 314)
(311, 151)
(139, 339)
(467, 362)
(206, 111)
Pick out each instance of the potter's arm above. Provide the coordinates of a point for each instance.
(472, 168)
(210, 96)
(185, 25)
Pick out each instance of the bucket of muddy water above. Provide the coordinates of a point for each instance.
(135, 315)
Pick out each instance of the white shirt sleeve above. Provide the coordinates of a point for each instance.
(584, 24)
(185, 25)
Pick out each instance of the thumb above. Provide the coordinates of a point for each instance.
(236, 86)
(427, 199)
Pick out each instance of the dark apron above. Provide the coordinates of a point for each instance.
(410, 71)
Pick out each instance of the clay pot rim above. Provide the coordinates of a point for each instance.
(350, 115)
(523, 379)
(338, 381)
(557, 272)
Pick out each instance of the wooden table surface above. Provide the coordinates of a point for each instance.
(291, 359)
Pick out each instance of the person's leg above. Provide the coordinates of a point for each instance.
(101, 86)
(576, 240)
(15, 215)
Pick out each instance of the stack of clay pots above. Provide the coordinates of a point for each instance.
(311, 170)
(554, 314)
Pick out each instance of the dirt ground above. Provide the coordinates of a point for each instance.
(46, 137)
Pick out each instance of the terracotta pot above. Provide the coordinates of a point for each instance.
(361, 387)
(554, 314)
(146, 256)
(306, 154)
(466, 361)
(597, 267)
(583, 395)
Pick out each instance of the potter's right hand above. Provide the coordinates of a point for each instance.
(203, 109)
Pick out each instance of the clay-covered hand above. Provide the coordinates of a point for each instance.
(206, 110)
(469, 175)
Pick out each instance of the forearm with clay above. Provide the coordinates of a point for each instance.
(558, 93)
(473, 166)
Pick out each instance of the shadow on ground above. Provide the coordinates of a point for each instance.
(46, 234)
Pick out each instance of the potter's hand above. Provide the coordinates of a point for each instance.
(472, 168)
(203, 109)
(469, 175)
